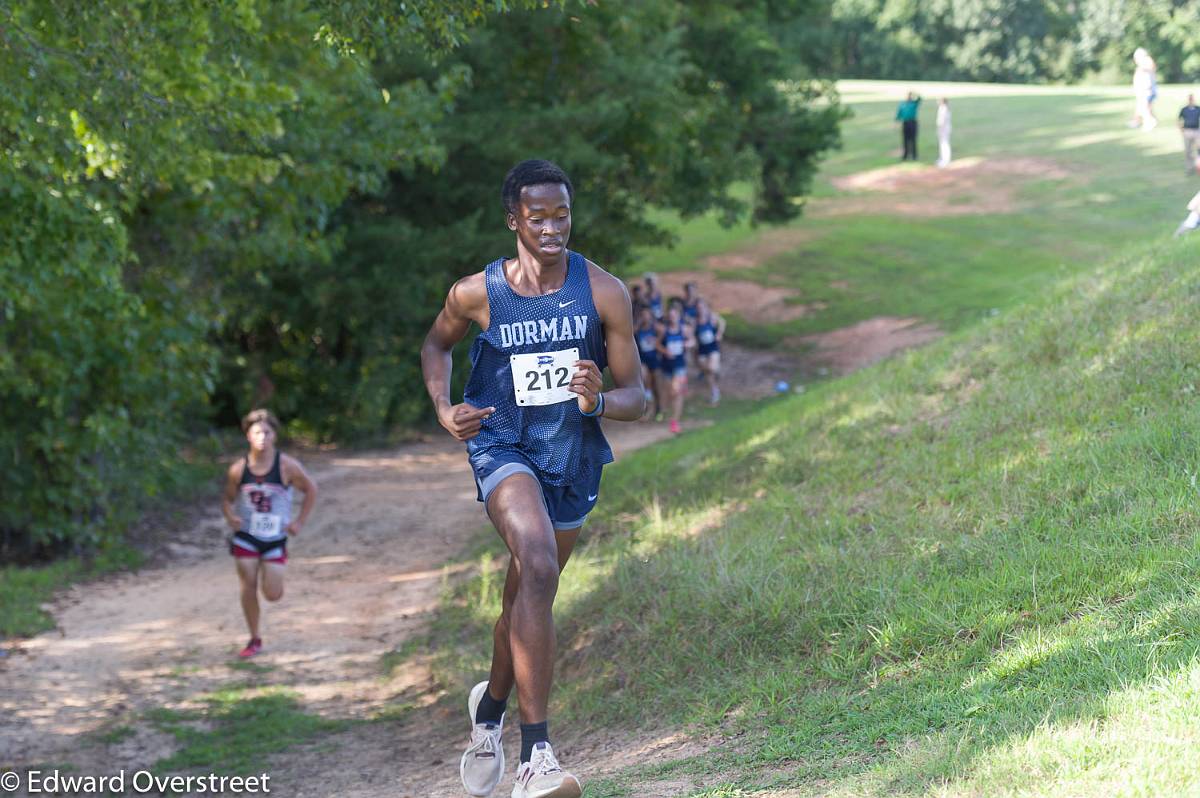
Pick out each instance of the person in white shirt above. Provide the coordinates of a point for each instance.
(943, 132)
(1145, 90)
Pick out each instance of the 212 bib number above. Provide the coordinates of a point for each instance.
(543, 378)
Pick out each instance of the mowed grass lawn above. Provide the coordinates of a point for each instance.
(1108, 187)
(968, 571)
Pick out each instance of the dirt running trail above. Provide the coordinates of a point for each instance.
(364, 577)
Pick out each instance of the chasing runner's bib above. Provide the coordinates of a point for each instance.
(543, 378)
(265, 526)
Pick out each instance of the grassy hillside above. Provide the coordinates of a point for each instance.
(971, 569)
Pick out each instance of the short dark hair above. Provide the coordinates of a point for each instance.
(531, 173)
(260, 415)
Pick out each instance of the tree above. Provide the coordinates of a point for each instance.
(648, 105)
(161, 161)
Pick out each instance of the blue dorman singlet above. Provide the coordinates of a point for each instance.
(706, 337)
(565, 445)
(647, 341)
(675, 343)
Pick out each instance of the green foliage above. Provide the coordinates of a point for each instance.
(1023, 41)
(219, 205)
(93, 375)
(164, 165)
(651, 105)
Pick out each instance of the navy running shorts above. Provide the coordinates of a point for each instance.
(567, 505)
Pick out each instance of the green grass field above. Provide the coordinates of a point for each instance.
(967, 571)
(1121, 186)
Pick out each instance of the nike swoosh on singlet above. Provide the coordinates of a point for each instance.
(564, 304)
(592, 498)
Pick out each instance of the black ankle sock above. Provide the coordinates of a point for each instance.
(489, 710)
(532, 733)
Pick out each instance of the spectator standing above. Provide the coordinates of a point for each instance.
(906, 115)
(1145, 90)
(943, 132)
(1189, 125)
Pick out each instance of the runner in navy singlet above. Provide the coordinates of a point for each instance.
(710, 330)
(257, 504)
(675, 338)
(647, 341)
(550, 322)
(653, 296)
(691, 300)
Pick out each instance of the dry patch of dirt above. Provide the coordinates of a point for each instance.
(859, 345)
(750, 300)
(766, 245)
(970, 186)
(752, 373)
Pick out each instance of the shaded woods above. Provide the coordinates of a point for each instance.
(212, 206)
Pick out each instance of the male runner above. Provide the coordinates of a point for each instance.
(551, 321)
(257, 504)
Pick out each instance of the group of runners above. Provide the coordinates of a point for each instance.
(551, 322)
(686, 328)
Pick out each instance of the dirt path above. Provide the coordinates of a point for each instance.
(364, 578)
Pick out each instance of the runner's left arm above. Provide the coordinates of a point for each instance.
(626, 401)
(720, 326)
(294, 474)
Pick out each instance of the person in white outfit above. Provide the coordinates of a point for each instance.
(1145, 90)
(943, 132)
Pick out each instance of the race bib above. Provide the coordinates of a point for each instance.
(707, 336)
(541, 378)
(675, 348)
(265, 526)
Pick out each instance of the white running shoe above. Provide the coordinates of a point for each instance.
(482, 764)
(541, 777)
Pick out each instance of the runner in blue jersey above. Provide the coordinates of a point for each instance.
(710, 330)
(691, 299)
(257, 505)
(675, 338)
(654, 296)
(647, 334)
(550, 322)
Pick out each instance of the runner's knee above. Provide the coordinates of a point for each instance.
(539, 574)
(273, 594)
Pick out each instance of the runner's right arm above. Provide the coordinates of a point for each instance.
(229, 495)
(466, 302)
